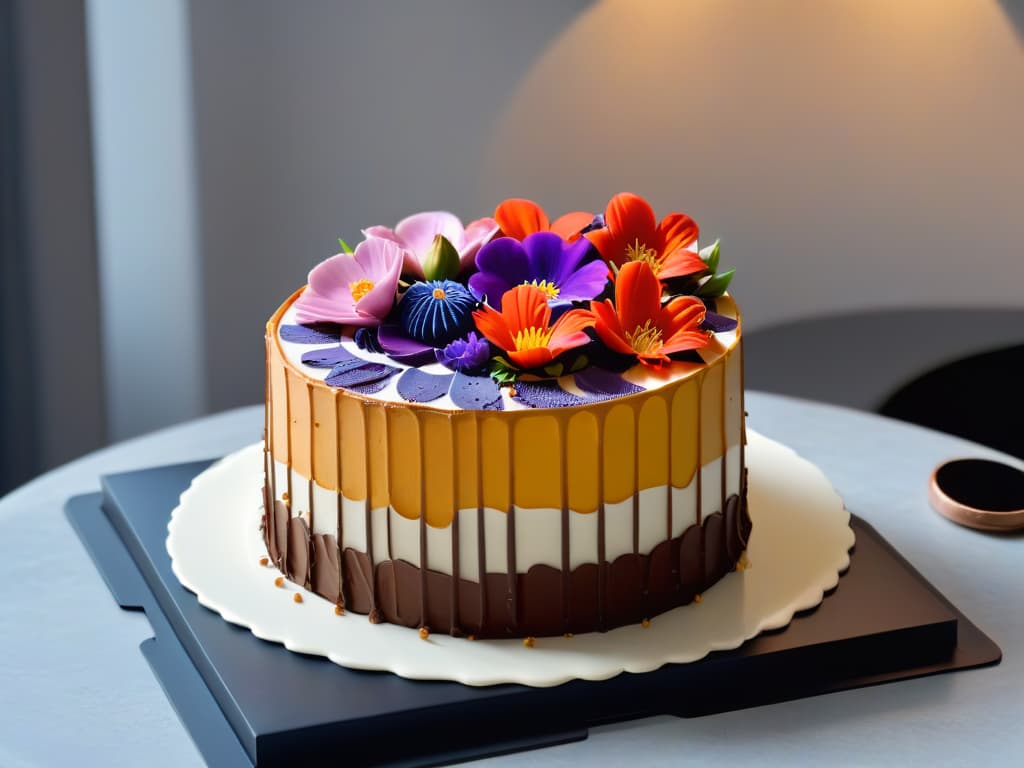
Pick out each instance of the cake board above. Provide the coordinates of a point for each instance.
(249, 702)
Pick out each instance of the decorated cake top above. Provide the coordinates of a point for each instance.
(515, 310)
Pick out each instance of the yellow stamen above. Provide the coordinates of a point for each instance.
(550, 289)
(641, 252)
(360, 288)
(439, 293)
(645, 338)
(532, 338)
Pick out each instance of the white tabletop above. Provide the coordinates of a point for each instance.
(75, 689)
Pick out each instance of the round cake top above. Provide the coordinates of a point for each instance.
(513, 311)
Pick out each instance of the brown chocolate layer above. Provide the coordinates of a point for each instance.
(541, 602)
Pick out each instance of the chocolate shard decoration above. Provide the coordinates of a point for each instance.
(718, 323)
(476, 393)
(314, 333)
(547, 394)
(344, 376)
(416, 386)
(598, 381)
(330, 357)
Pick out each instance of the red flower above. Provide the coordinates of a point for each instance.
(637, 324)
(632, 233)
(522, 327)
(518, 218)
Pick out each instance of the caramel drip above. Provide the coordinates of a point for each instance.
(481, 541)
(669, 487)
(291, 497)
(725, 436)
(368, 512)
(340, 497)
(510, 544)
(743, 415)
(454, 628)
(312, 455)
(700, 457)
(268, 437)
(564, 485)
(422, 523)
(602, 567)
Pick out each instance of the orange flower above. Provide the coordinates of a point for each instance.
(637, 324)
(518, 218)
(632, 233)
(522, 327)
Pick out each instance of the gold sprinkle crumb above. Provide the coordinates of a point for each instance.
(512, 392)
(279, 581)
(316, 424)
(569, 635)
(424, 633)
(645, 623)
(339, 611)
(471, 637)
(284, 496)
(697, 598)
(264, 561)
(297, 597)
(529, 642)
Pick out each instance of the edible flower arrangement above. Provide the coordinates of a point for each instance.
(514, 299)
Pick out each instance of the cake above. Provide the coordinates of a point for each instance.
(517, 428)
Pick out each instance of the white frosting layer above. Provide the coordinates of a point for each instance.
(644, 376)
(538, 532)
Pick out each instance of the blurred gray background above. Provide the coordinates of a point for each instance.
(172, 169)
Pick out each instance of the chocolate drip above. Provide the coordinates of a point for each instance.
(675, 571)
(339, 538)
(368, 516)
(480, 535)
(510, 541)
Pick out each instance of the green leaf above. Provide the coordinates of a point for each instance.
(716, 286)
(441, 261)
(579, 364)
(711, 254)
(345, 247)
(502, 371)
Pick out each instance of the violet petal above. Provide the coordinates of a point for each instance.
(601, 382)
(416, 359)
(416, 386)
(546, 394)
(548, 260)
(718, 323)
(313, 333)
(329, 357)
(586, 282)
(344, 376)
(474, 393)
(394, 341)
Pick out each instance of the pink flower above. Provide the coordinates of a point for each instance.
(415, 234)
(353, 288)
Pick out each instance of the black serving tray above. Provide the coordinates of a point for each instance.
(248, 702)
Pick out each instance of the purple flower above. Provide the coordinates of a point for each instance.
(562, 270)
(465, 355)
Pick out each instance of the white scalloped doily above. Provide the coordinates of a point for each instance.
(799, 546)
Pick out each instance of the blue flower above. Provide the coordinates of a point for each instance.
(465, 355)
(436, 312)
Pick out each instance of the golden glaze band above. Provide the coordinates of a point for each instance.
(417, 457)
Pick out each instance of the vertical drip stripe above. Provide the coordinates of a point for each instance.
(268, 437)
(725, 436)
(291, 497)
(512, 569)
(422, 521)
(456, 548)
(481, 540)
(312, 464)
(368, 512)
(601, 566)
(700, 457)
(340, 509)
(564, 484)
